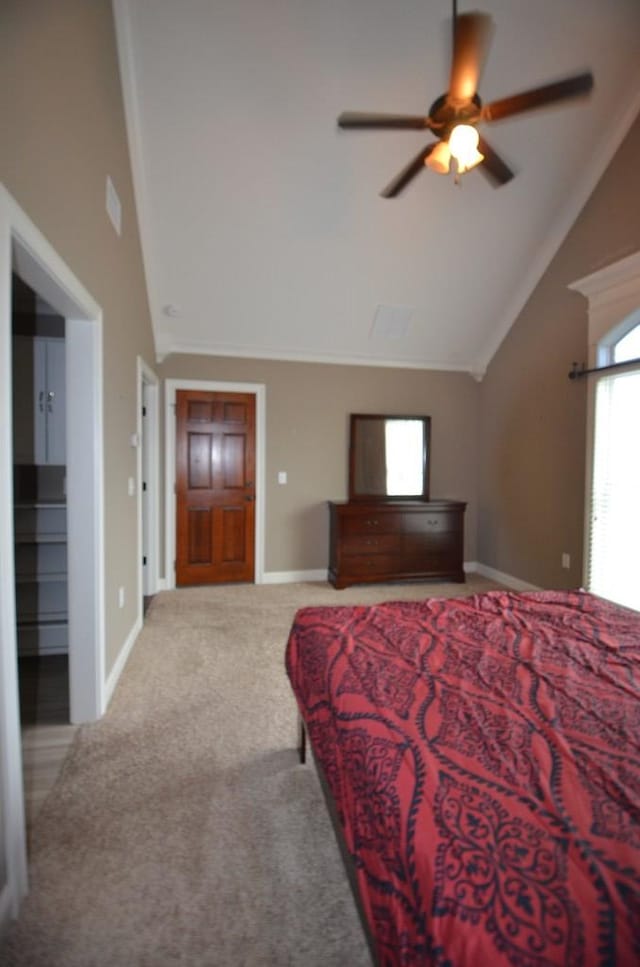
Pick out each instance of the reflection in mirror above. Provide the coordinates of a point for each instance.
(404, 444)
(389, 457)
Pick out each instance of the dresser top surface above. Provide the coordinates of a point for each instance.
(404, 505)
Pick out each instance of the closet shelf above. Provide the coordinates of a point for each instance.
(33, 619)
(41, 504)
(41, 577)
(33, 538)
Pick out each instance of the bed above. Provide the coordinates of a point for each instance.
(482, 754)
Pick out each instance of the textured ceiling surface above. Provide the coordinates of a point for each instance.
(263, 230)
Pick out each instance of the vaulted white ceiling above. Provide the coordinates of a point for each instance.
(262, 227)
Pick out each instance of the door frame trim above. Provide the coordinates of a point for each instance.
(24, 247)
(212, 386)
(147, 442)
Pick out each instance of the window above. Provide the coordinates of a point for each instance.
(628, 347)
(614, 538)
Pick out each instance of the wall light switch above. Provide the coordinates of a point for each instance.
(282, 476)
(131, 487)
(566, 560)
(121, 597)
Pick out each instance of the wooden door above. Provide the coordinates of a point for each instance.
(215, 487)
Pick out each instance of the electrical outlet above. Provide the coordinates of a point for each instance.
(282, 476)
(566, 560)
(121, 597)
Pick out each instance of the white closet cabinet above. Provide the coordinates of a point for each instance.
(39, 400)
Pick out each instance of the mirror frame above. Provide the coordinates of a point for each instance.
(354, 420)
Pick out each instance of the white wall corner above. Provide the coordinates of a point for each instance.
(133, 124)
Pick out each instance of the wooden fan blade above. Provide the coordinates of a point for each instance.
(407, 174)
(354, 119)
(576, 86)
(496, 170)
(472, 34)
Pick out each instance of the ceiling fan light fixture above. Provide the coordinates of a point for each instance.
(439, 160)
(452, 116)
(463, 145)
(470, 162)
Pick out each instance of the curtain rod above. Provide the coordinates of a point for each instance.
(577, 373)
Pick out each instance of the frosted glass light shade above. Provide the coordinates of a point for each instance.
(463, 144)
(440, 158)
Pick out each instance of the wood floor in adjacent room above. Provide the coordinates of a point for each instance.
(46, 731)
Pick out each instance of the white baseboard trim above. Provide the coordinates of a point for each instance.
(507, 579)
(289, 577)
(120, 662)
(470, 567)
(6, 906)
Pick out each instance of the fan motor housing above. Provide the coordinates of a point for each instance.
(444, 114)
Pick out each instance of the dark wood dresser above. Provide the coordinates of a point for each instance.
(375, 541)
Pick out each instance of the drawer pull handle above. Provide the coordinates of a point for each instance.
(372, 523)
(432, 522)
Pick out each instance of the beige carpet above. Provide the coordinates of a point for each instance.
(182, 829)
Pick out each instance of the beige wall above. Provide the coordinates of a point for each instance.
(533, 439)
(307, 410)
(63, 132)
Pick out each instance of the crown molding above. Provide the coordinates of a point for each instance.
(167, 347)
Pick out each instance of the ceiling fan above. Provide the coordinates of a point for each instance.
(453, 117)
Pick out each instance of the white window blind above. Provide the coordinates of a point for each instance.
(614, 544)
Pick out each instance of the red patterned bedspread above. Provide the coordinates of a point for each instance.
(484, 757)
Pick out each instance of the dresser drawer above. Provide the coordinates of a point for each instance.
(371, 544)
(369, 565)
(363, 525)
(440, 522)
(417, 543)
(432, 560)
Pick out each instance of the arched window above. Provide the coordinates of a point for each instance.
(614, 527)
(621, 343)
(628, 347)
(612, 521)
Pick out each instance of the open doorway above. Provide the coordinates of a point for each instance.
(26, 253)
(40, 540)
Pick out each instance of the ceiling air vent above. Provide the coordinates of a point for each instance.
(391, 323)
